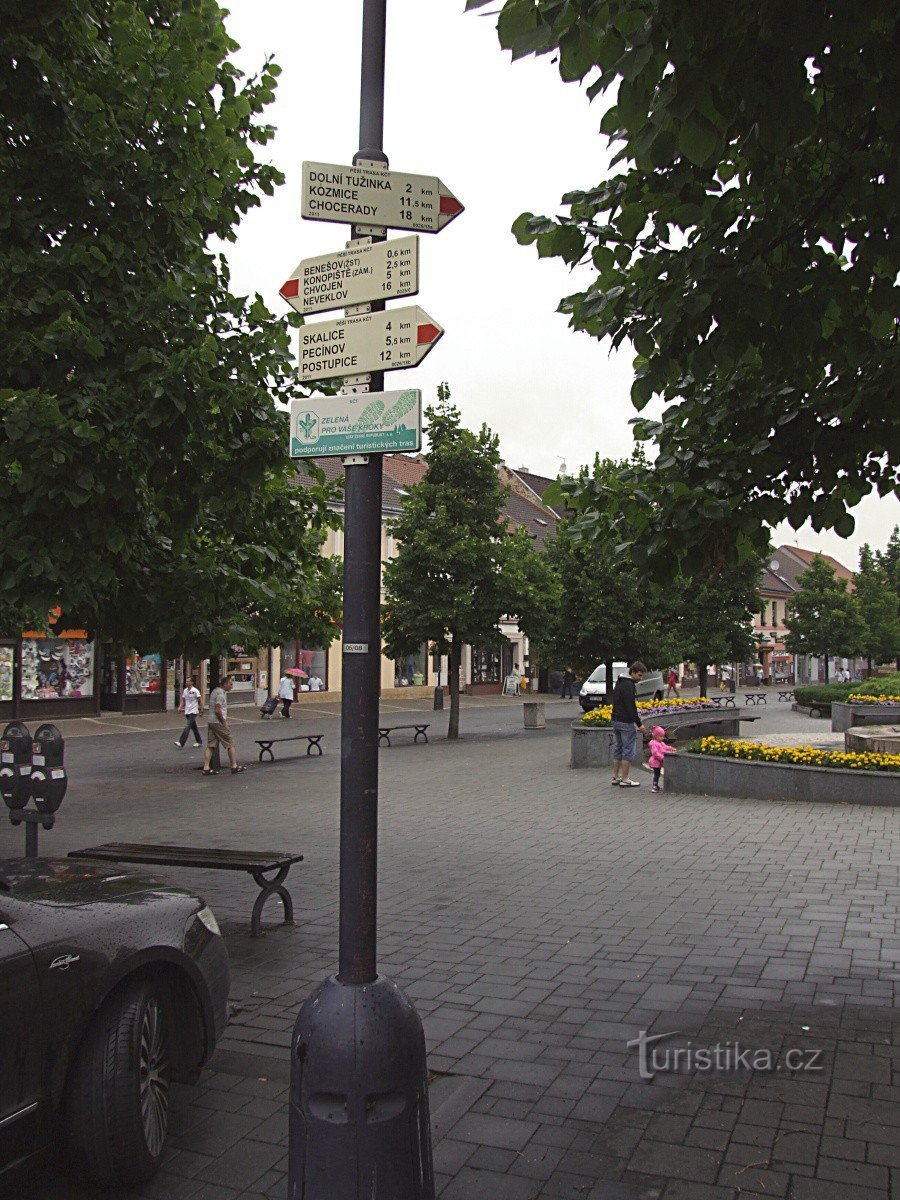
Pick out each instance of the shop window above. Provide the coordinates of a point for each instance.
(411, 669)
(490, 664)
(57, 668)
(311, 661)
(7, 668)
(143, 674)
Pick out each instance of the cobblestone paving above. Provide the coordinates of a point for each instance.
(540, 920)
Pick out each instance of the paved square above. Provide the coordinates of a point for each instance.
(540, 920)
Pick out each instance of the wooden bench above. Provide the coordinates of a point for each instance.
(788, 695)
(755, 697)
(255, 862)
(385, 731)
(266, 744)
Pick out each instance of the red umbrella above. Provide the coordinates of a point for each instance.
(296, 671)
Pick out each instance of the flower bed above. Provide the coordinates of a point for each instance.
(856, 698)
(800, 756)
(715, 766)
(602, 716)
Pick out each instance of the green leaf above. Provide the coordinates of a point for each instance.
(697, 140)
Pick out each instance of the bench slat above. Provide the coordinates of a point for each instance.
(188, 856)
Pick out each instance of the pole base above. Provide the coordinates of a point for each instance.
(359, 1119)
(438, 698)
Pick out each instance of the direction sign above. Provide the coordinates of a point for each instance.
(367, 196)
(381, 271)
(379, 341)
(360, 423)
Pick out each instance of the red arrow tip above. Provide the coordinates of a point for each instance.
(450, 206)
(427, 334)
(290, 289)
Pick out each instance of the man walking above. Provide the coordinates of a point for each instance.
(218, 733)
(568, 683)
(192, 706)
(626, 723)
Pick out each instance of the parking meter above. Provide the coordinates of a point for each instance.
(48, 775)
(15, 765)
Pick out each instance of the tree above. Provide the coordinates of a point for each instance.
(715, 616)
(879, 606)
(144, 477)
(889, 562)
(824, 617)
(742, 243)
(608, 610)
(459, 568)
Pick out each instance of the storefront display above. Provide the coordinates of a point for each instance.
(410, 670)
(311, 663)
(143, 674)
(57, 668)
(7, 667)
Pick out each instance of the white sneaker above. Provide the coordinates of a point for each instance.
(179, 745)
(629, 783)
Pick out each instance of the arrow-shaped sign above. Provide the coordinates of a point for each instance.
(367, 196)
(379, 341)
(381, 271)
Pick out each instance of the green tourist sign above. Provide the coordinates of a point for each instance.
(356, 423)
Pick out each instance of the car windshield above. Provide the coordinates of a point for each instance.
(599, 676)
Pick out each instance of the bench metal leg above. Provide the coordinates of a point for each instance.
(314, 744)
(383, 737)
(420, 733)
(266, 750)
(271, 887)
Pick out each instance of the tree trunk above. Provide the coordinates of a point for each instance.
(826, 666)
(453, 671)
(609, 680)
(215, 671)
(701, 672)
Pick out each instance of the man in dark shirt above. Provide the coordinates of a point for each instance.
(626, 723)
(567, 683)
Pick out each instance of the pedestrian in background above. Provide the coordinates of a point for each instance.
(672, 683)
(217, 730)
(568, 683)
(192, 706)
(626, 723)
(286, 695)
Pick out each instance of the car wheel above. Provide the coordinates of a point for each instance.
(117, 1103)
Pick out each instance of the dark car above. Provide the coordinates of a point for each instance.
(112, 984)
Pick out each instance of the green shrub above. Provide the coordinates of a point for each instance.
(888, 685)
(824, 693)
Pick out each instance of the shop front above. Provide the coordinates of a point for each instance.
(490, 666)
(412, 669)
(307, 665)
(54, 676)
(132, 682)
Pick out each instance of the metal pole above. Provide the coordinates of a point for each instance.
(359, 1125)
(31, 839)
(361, 672)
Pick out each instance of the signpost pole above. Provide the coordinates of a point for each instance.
(359, 1118)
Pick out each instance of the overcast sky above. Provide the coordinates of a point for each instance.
(505, 139)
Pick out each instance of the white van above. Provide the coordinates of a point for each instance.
(593, 690)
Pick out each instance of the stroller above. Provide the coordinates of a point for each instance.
(268, 709)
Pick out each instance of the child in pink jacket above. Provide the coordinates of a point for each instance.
(658, 751)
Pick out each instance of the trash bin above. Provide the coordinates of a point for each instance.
(732, 686)
(534, 714)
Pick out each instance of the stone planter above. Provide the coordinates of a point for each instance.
(707, 775)
(845, 715)
(592, 744)
(873, 739)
